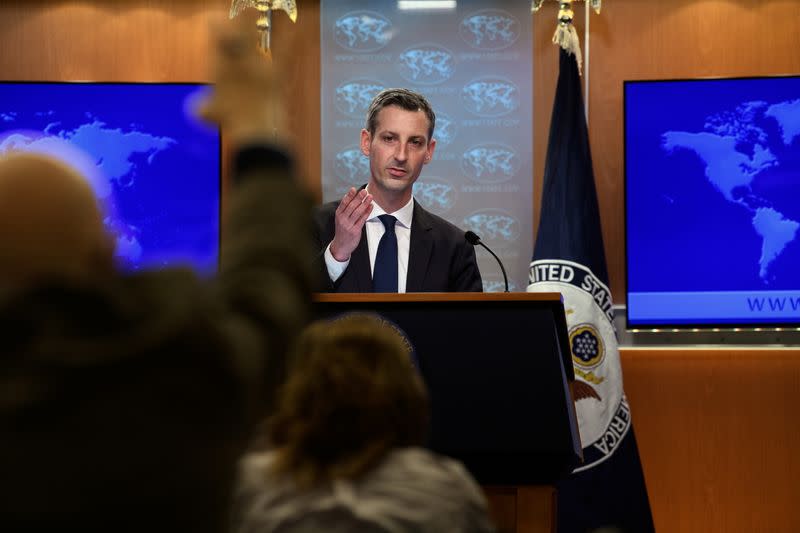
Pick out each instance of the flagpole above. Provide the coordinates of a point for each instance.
(586, 62)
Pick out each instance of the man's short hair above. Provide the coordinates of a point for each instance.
(403, 98)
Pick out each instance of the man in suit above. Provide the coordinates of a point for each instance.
(425, 252)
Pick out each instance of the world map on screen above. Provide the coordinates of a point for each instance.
(153, 166)
(736, 148)
(105, 155)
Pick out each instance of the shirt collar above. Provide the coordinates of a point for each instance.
(404, 215)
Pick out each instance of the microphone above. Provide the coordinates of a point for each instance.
(474, 240)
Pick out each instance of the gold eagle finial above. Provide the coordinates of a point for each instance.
(536, 4)
(265, 9)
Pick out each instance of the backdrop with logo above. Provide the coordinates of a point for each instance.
(474, 64)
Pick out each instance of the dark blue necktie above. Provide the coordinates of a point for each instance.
(384, 276)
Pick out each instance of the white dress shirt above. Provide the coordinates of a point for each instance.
(375, 231)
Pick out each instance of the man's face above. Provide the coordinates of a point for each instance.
(397, 151)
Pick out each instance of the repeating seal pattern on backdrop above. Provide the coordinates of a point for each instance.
(490, 163)
(363, 31)
(490, 96)
(435, 194)
(354, 96)
(352, 166)
(446, 130)
(426, 64)
(494, 224)
(489, 29)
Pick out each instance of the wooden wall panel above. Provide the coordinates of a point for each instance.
(716, 430)
(297, 45)
(125, 40)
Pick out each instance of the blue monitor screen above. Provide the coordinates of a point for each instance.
(154, 168)
(712, 181)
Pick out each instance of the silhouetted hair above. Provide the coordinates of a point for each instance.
(352, 395)
(403, 98)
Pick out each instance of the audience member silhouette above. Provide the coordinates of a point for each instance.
(343, 449)
(125, 401)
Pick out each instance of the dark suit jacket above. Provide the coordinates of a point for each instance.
(440, 259)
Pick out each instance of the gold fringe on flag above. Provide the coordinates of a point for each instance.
(566, 36)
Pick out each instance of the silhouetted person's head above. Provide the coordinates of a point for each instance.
(353, 394)
(50, 222)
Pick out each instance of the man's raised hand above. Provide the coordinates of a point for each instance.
(351, 215)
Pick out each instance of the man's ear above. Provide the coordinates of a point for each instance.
(366, 139)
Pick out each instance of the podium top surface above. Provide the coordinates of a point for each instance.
(439, 297)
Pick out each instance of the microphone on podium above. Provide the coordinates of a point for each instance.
(474, 240)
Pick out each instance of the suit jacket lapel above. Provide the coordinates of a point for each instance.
(419, 253)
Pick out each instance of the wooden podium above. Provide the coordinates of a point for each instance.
(499, 373)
